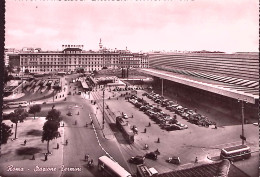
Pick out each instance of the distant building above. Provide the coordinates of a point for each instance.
(7, 53)
(73, 57)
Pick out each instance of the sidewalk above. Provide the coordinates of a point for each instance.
(98, 115)
(16, 159)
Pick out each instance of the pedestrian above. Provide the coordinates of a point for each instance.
(144, 130)
(149, 125)
(78, 112)
(66, 142)
(86, 124)
(91, 122)
(58, 146)
(33, 158)
(158, 141)
(196, 160)
(25, 142)
(46, 156)
(86, 157)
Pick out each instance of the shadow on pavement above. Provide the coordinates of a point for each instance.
(35, 132)
(28, 150)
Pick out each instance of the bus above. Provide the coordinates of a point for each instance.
(16, 104)
(234, 153)
(109, 167)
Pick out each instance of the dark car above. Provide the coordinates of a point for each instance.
(158, 101)
(145, 94)
(151, 155)
(137, 160)
(138, 104)
(69, 114)
(143, 108)
(172, 127)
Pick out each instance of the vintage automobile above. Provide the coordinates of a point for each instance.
(136, 160)
(174, 160)
(151, 155)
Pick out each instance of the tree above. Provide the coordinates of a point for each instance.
(18, 116)
(6, 75)
(6, 132)
(26, 71)
(54, 115)
(80, 70)
(56, 89)
(10, 68)
(50, 132)
(34, 109)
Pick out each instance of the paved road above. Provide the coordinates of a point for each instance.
(83, 139)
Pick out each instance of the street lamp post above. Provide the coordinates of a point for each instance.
(243, 120)
(103, 107)
(162, 86)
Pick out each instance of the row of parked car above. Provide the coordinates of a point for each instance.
(127, 88)
(188, 114)
(156, 114)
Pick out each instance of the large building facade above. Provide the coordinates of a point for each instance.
(72, 58)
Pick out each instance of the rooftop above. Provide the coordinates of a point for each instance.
(246, 90)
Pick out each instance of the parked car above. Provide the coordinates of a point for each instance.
(69, 114)
(151, 155)
(124, 116)
(138, 104)
(169, 107)
(182, 126)
(173, 127)
(143, 108)
(185, 115)
(145, 94)
(137, 160)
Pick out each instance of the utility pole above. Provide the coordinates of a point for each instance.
(243, 121)
(162, 86)
(103, 108)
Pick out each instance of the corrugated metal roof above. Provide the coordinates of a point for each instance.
(230, 87)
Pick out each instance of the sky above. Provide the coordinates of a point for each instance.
(147, 25)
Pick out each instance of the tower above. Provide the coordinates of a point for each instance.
(100, 44)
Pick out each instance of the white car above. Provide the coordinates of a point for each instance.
(125, 116)
(183, 126)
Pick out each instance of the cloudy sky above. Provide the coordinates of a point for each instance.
(215, 25)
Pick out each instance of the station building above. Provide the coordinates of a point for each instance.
(228, 82)
(73, 57)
